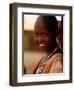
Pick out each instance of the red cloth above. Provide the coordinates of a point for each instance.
(35, 69)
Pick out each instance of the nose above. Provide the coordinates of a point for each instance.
(40, 39)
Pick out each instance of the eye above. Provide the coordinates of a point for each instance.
(44, 34)
(35, 34)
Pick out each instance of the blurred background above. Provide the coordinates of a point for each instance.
(32, 54)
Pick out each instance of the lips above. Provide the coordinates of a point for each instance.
(41, 45)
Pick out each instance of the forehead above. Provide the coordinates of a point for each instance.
(40, 28)
(39, 20)
(39, 25)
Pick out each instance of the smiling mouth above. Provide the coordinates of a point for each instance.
(41, 45)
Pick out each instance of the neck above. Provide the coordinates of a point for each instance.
(50, 49)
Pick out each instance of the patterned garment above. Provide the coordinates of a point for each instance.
(46, 62)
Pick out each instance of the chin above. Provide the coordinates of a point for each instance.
(43, 49)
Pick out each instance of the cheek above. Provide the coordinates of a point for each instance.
(35, 40)
(48, 40)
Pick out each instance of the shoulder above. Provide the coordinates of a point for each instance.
(57, 56)
(57, 63)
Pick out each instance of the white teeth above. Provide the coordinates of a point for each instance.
(41, 45)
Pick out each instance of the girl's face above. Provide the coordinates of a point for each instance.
(42, 37)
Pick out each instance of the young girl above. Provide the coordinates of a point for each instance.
(45, 37)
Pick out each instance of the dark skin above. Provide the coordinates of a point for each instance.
(44, 38)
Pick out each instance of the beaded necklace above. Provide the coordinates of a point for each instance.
(44, 61)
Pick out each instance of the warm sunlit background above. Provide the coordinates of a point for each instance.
(29, 21)
(31, 52)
